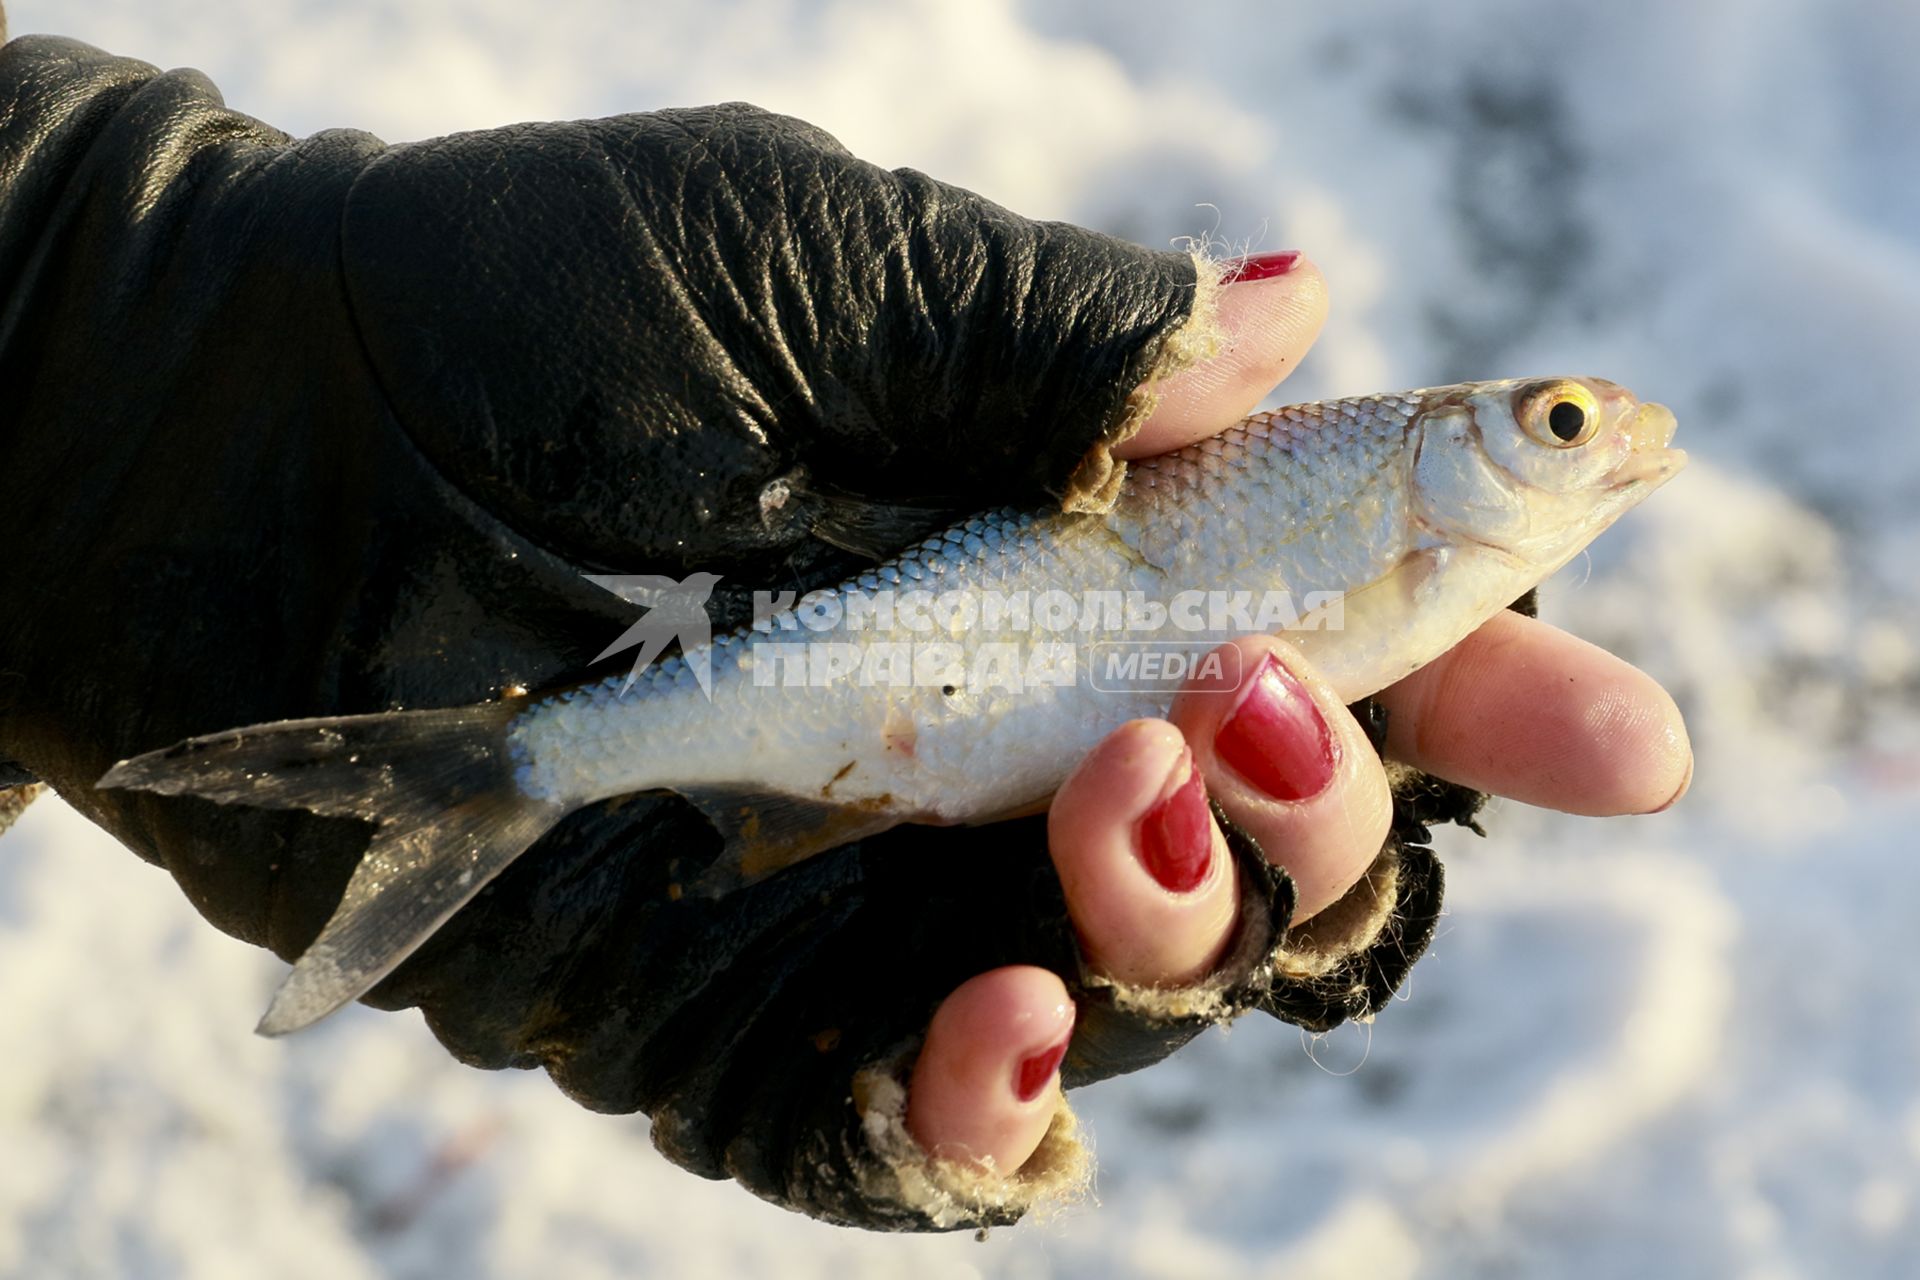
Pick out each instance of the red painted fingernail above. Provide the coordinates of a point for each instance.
(1031, 1076)
(1276, 738)
(1264, 267)
(1176, 835)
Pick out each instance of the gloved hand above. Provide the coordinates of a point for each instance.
(323, 427)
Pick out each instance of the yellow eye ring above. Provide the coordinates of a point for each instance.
(1561, 414)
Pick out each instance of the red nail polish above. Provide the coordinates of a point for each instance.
(1175, 837)
(1264, 267)
(1276, 738)
(1031, 1076)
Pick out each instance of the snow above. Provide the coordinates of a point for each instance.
(1681, 1045)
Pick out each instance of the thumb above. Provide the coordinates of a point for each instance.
(1270, 310)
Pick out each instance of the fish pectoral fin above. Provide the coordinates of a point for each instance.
(1428, 568)
(874, 529)
(767, 832)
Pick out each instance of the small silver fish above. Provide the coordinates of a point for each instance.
(961, 681)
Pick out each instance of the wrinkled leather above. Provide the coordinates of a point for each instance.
(322, 426)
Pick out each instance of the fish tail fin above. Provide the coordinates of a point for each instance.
(439, 785)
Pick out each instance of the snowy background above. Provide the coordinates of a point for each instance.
(1683, 1045)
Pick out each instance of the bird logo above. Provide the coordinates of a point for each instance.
(675, 611)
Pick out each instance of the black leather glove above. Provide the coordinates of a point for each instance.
(315, 427)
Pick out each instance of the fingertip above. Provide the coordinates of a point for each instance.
(1124, 759)
(1641, 727)
(1630, 754)
(1680, 790)
(1144, 867)
(986, 1083)
(1267, 325)
(1291, 766)
(1525, 710)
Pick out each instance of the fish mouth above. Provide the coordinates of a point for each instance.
(1649, 460)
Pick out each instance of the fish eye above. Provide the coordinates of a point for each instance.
(1566, 419)
(1561, 414)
